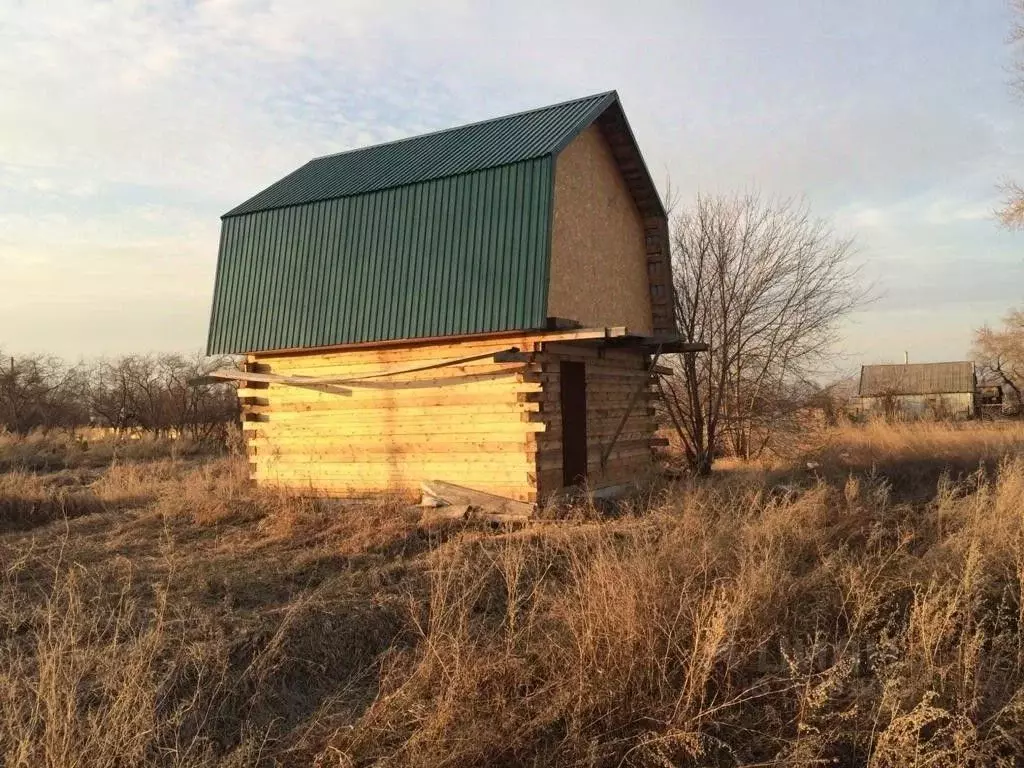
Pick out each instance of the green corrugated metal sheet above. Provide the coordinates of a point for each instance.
(438, 235)
(468, 148)
(450, 256)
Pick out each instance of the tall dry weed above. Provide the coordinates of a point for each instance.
(798, 618)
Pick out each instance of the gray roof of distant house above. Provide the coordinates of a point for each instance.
(917, 379)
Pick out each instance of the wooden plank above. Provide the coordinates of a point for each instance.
(602, 399)
(459, 495)
(466, 470)
(603, 412)
(553, 441)
(437, 411)
(503, 459)
(610, 376)
(440, 363)
(623, 447)
(381, 478)
(333, 422)
(551, 350)
(386, 431)
(372, 371)
(343, 377)
(495, 389)
(346, 489)
(462, 442)
(410, 347)
(633, 458)
(597, 426)
(608, 386)
(336, 384)
(386, 419)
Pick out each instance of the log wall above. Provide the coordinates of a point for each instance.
(612, 376)
(493, 427)
(473, 424)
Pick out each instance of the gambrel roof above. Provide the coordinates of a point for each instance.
(443, 234)
(467, 148)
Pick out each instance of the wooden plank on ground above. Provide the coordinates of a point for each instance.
(490, 503)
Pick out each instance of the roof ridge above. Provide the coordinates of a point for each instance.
(599, 95)
(905, 365)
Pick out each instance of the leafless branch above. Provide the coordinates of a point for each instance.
(764, 284)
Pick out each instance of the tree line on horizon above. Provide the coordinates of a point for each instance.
(160, 395)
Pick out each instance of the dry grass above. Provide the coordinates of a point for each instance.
(789, 617)
(56, 450)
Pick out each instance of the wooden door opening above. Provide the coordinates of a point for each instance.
(573, 395)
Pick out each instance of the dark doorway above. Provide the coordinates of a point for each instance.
(573, 386)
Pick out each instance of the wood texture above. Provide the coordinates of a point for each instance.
(611, 380)
(468, 423)
(491, 427)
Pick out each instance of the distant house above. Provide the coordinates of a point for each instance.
(919, 390)
(482, 306)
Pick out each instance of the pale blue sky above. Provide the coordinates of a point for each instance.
(126, 129)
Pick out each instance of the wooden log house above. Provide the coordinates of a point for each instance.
(481, 306)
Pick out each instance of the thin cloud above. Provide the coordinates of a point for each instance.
(126, 128)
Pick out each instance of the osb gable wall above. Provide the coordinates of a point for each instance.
(598, 256)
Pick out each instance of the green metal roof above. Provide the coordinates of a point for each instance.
(440, 235)
(474, 147)
(460, 255)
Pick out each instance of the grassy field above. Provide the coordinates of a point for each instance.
(860, 603)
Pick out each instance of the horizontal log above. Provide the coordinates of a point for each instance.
(636, 422)
(369, 374)
(437, 364)
(465, 471)
(631, 457)
(344, 388)
(462, 442)
(328, 487)
(467, 427)
(594, 450)
(620, 389)
(551, 411)
(550, 441)
(519, 459)
(595, 367)
(508, 410)
(412, 354)
(415, 349)
(498, 400)
(555, 350)
(494, 390)
(340, 418)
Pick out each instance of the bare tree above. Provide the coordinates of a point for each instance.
(40, 392)
(157, 394)
(999, 354)
(764, 284)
